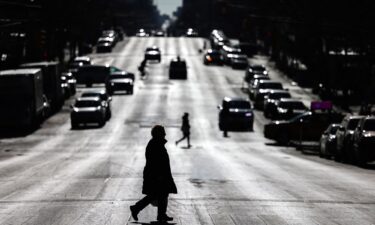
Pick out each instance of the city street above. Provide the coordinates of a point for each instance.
(59, 176)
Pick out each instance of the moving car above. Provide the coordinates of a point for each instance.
(104, 98)
(235, 114)
(239, 61)
(270, 99)
(364, 141)
(212, 57)
(345, 138)
(177, 69)
(305, 127)
(327, 143)
(120, 81)
(287, 108)
(87, 110)
(153, 53)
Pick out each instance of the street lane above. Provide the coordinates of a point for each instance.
(91, 176)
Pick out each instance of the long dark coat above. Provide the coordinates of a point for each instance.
(157, 176)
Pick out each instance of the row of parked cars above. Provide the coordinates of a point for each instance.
(94, 105)
(352, 140)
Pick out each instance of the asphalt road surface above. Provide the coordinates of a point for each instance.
(59, 176)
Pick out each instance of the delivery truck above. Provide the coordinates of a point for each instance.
(21, 95)
(52, 87)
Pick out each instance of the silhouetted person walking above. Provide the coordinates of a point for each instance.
(158, 182)
(141, 67)
(185, 128)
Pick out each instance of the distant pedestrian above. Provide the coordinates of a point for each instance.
(185, 128)
(141, 67)
(158, 182)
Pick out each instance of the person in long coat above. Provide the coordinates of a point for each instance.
(185, 128)
(158, 182)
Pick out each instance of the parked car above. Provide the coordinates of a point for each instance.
(239, 61)
(159, 33)
(212, 57)
(270, 99)
(345, 138)
(120, 81)
(177, 69)
(84, 60)
(247, 48)
(94, 74)
(104, 45)
(328, 140)
(261, 88)
(103, 95)
(153, 53)
(305, 127)
(218, 39)
(253, 70)
(65, 87)
(191, 33)
(72, 82)
(87, 110)
(287, 108)
(235, 114)
(141, 33)
(364, 141)
(228, 53)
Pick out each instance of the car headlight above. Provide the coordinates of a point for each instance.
(249, 114)
(282, 110)
(265, 72)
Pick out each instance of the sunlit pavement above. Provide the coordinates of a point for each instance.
(91, 176)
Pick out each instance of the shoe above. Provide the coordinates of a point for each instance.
(164, 218)
(134, 212)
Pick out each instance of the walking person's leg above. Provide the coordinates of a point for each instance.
(162, 208)
(140, 205)
(188, 140)
(180, 140)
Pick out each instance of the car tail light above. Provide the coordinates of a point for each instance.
(209, 58)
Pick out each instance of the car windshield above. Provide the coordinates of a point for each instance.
(258, 68)
(292, 105)
(279, 95)
(304, 116)
(333, 129)
(82, 104)
(270, 86)
(114, 69)
(118, 76)
(239, 105)
(93, 94)
(151, 49)
(369, 125)
(353, 124)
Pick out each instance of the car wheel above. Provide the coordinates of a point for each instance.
(74, 125)
(131, 91)
(359, 157)
(284, 139)
(102, 123)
